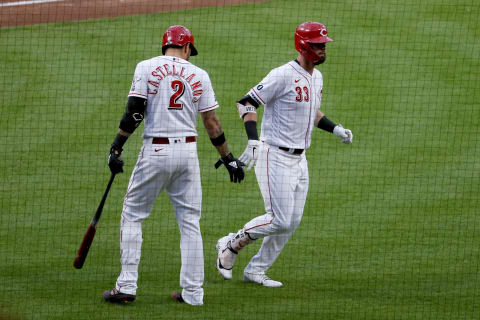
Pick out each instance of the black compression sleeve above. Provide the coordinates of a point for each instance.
(133, 116)
(326, 124)
(251, 129)
(119, 141)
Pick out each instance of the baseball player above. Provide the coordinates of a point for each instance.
(292, 96)
(168, 92)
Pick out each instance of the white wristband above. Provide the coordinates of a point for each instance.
(242, 110)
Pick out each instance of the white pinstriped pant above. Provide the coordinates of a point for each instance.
(283, 180)
(173, 167)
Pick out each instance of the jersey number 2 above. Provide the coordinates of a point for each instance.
(300, 97)
(178, 90)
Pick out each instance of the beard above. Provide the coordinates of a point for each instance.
(320, 61)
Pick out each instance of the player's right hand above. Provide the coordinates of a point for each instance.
(345, 134)
(115, 162)
(234, 167)
(250, 155)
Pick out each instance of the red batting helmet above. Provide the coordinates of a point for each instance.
(178, 36)
(310, 32)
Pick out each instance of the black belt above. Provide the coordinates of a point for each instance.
(292, 151)
(162, 140)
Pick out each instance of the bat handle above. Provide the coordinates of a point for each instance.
(104, 198)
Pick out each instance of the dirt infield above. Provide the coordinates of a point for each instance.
(18, 12)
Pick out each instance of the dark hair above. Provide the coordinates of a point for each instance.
(164, 48)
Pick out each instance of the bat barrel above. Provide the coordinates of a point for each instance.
(84, 247)
(90, 234)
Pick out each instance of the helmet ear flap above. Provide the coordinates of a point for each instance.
(306, 50)
(304, 45)
(300, 44)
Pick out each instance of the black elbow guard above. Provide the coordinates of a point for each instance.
(133, 115)
(130, 121)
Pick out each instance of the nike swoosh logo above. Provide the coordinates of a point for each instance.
(156, 150)
(297, 80)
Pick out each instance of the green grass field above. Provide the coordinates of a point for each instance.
(391, 225)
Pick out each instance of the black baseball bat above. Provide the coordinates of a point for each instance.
(90, 234)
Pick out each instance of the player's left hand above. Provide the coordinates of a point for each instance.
(234, 167)
(345, 134)
(250, 155)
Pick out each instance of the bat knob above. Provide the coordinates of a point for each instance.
(78, 263)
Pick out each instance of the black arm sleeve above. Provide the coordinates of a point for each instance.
(249, 99)
(251, 129)
(118, 143)
(134, 112)
(326, 124)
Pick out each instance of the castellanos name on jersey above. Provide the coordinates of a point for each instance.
(176, 91)
(291, 97)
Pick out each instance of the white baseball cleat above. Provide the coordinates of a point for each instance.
(261, 278)
(225, 273)
(225, 258)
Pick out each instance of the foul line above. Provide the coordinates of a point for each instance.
(22, 3)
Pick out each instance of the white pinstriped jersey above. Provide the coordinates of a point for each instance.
(291, 97)
(176, 91)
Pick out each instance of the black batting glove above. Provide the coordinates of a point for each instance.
(115, 162)
(234, 167)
